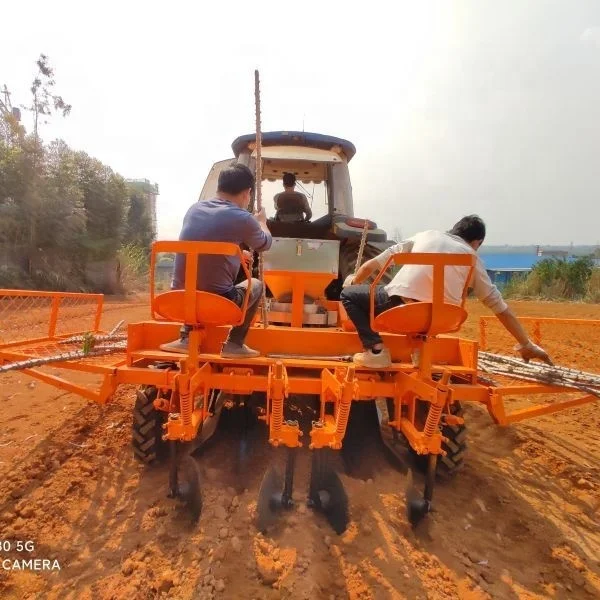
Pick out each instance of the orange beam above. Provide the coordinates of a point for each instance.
(546, 409)
(63, 384)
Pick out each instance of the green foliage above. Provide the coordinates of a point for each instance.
(60, 210)
(134, 265)
(555, 279)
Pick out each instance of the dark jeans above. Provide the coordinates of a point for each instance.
(355, 299)
(237, 335)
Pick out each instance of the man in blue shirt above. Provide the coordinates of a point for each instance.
(225, 218)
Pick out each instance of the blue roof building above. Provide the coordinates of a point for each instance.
(502, 267)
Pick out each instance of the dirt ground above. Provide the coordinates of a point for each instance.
(521, 519)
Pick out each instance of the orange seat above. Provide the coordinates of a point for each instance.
(211, 309)
(416, 318)
(191, 306)
(424, 318)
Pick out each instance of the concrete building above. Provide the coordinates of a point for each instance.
(150, 192)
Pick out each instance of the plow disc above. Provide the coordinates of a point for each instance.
(185, 482)
(326, 492)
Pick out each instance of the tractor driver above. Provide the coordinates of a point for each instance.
(413, 283)
(224, 219)
(291, 206)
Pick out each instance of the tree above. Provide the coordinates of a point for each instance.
(44, 101)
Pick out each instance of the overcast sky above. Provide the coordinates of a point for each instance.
(490, 107)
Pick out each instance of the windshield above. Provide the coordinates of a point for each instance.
(316, 193)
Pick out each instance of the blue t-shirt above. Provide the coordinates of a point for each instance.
(218, 220)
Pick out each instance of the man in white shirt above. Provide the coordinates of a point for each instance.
(414, 283)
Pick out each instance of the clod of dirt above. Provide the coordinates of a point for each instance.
(584, 484)
(165, 582)
(327, 540)
(219, 585)
(236, 544)
(26, 512)
(267, 570)
(235, 502)
(220, 512)
(223, 532)
(219, 553)
(127, 567)
(16, 493)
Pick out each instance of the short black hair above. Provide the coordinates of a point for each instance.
(289, 179)
(470, 228)
(235, 179)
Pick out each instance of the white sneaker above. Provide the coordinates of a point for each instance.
(373, 361)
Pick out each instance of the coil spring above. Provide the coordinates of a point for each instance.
(433, 420)
(342, 418)
(185, 403)
(277, 415)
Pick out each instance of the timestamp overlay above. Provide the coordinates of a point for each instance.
(19, 555)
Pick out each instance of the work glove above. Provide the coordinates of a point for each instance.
(531, 350)
(348, 281)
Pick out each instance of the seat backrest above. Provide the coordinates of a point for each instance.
(189, 305)
(427, 318)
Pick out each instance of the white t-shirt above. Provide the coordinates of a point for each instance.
(416, 281)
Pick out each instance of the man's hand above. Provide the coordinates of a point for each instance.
(531, 350)
(261, 216)
(348, 281)
(248, 257)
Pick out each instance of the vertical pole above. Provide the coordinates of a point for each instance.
(361, 248)
(258, 178)
(54, 315)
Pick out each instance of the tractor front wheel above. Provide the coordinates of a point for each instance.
(148, 445)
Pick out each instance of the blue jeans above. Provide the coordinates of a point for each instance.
(355, 299)
(237, 335)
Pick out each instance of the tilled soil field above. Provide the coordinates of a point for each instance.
(521, 519)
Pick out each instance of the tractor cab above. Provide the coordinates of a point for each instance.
(319, 164)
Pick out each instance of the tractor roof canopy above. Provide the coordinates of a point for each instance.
(296, 138)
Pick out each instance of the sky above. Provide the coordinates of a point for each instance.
(457, 107)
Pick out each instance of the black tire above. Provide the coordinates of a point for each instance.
(456, 446)
(147, 443)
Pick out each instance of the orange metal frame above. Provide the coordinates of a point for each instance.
(438, 369)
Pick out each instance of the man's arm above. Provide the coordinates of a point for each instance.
(489, 295)
(365, 271)
(258, 237)
(306, 209)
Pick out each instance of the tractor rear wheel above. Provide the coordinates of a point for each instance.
(148, 445)
(455, 447)
(348, 255)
